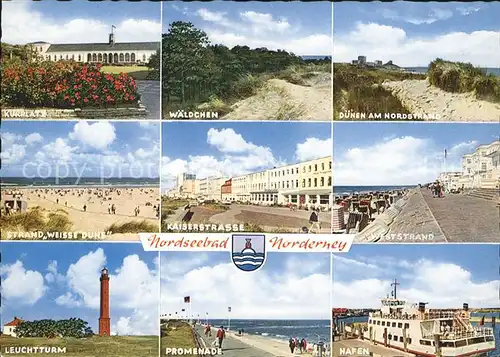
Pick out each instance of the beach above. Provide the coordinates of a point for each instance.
(88, 209)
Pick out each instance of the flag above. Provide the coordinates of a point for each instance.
(445, 153)
(113, 26)
(229, 309)
(187, 299)
(183, 310)
(481, 323)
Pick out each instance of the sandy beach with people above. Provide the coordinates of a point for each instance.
(89, 209)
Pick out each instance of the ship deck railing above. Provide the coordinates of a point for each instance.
(438, 314)
(462, 333)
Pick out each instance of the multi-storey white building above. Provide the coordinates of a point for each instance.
(106, 53)
(303, 184)
(481, 168)
(450, 180)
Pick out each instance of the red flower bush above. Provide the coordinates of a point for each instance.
(64, 84)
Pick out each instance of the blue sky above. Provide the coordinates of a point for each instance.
(414, 33)
(80, 21)
(269, 293)
(403, 153)
(424, 272)
(61, 280)
(302, 28)
(38, 147)
(218, 149)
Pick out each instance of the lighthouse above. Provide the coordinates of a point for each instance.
(104, 323)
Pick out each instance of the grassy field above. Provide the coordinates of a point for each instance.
(138, 72)
(177, 335)
(114, 346)
(359, 90)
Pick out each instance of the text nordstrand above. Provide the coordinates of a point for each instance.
(193, 351)
(32, 349)
(288, 243)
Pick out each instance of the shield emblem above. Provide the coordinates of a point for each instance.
(248, 251)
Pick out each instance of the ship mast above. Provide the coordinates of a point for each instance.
(394, 292)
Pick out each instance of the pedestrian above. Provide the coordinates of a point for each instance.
(113, 208)
(109, 209)
(84, 208)
(314, 221)
(291, 344)
(221, 334)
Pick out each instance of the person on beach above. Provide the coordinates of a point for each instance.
(221, 334)
(291, 344)
(84, 208)
(109, 209)
(207, 331)
(113, 209)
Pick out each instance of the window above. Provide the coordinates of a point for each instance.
(99, 57)
(315, 167)
(383, 323)
(322, 180)
(401, 339)
(315, 182)
(132, 57)
(407, 325)
(395, 338)
(72, 57)
(378, 322)
(400, 325)
(425, 342)
(94, 58)
(408, 340)
(143, 58)
(303, 182)
(309, 182)
(127, 57)
(309, 168)
(393, 324)
(329, 181)
(79, 58)
(122, 57)
(67, 57)
(296, 183)
(330, 164)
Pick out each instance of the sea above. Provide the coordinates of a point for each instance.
(497, 327)
(351, 189)
(494, 71)
(312, 330)
(78, 182)
(315, 57)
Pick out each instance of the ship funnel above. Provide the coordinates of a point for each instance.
(466, 306)
(421, 306)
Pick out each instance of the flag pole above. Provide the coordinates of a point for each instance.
(229, 319)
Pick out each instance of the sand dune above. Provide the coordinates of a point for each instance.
(419, 97)
(281, 100)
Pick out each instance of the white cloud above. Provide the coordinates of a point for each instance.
(33, 138)
(395, 161)
(238, 157)
(313, 148)
(425, 280)
(57, 150)
(21, 286)
(98, 135)
(13, 154)
(133, 287)
(272, 294)
(259, 29)
(53, 276)
(22, 23)
(382, 42)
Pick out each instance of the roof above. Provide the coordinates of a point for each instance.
(14, 322)
(37, 43)
(120, 46)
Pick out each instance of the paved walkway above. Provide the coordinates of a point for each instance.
(464, 218)
(283, 216)
(417, 222)
(150, 97)
(231, 347)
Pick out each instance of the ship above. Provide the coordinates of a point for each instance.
(416, 329)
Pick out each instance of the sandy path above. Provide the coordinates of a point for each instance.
(281, 100)
(419, 97)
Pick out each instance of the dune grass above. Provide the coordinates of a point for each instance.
(459, 77)
(177, 334)
(35, 220)
(133, 227)
(112, 346)
(360, 89)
